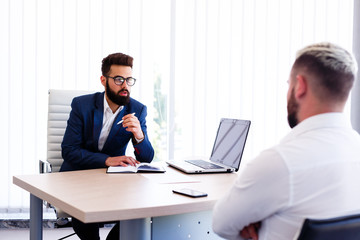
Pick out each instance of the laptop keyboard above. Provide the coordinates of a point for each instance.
(204, 164)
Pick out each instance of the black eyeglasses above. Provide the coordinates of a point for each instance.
(119, 80)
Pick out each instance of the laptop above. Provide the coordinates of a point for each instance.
(226, 153)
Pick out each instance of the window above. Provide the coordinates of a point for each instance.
(196, 61)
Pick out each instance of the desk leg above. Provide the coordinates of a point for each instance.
(135, 229)
(36, 217)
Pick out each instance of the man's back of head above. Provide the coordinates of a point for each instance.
(332, 67)
(320, 81)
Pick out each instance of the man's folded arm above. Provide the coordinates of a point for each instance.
(254, 196)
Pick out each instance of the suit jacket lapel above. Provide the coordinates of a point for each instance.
(98, 118)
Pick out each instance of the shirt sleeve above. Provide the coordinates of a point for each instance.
(261, 190)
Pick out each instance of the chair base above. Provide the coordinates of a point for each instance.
(62, 223)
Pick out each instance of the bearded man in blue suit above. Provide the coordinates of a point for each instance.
(101, 125)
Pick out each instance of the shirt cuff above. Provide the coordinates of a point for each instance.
(138, 140)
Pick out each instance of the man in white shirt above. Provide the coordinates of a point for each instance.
(314, 172)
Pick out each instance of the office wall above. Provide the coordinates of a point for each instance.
(196, 61)
(355, 94)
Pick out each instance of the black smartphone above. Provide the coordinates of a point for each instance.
(190, 192)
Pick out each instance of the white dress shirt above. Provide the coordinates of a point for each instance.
(313, 173)
(108, 120)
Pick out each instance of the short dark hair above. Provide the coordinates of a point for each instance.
(115, 59)
(333, 67)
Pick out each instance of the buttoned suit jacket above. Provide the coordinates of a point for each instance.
(80, 143)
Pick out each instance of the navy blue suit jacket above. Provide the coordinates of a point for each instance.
(80, 144)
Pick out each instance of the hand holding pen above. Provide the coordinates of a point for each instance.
(132, 124)
(124, 117)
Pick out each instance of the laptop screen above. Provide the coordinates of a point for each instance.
(230, 142)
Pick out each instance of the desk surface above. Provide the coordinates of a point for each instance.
(94, 196)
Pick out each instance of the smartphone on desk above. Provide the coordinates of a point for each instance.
(190, 192)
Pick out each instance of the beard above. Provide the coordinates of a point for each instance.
(292, 108)
(115, 97)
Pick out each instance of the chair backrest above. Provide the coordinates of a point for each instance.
(347, 227)
(58, 113)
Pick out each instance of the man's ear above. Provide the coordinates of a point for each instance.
(103, 80)
(301, 86)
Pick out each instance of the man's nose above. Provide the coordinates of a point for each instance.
(124, 83)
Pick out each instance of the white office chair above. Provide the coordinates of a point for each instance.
(58, 114)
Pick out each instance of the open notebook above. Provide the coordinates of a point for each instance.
(226, 153)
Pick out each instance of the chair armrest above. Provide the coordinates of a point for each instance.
(44, 166)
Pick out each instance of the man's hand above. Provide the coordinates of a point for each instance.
(132, 124)
(251, 231)
(121, 161)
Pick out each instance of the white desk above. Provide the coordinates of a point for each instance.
(94, 196)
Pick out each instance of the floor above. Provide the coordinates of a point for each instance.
(48, 234)
(11, 228)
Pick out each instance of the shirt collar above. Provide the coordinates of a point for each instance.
(324, 120)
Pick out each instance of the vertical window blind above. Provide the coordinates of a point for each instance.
(196, 61)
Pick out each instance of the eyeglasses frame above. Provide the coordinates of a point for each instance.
(123, 80)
